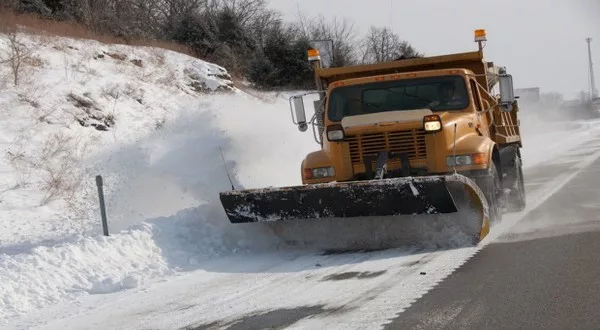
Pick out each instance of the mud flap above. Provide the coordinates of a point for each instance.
(387, 197)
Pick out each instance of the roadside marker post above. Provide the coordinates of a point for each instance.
(102, 205)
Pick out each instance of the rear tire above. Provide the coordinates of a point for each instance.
(495, 193)
(516, 198)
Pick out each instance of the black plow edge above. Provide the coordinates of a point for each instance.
(388, 197)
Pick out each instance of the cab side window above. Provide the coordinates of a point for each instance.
(475, 89)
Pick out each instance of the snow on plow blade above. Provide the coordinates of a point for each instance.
(340, 200)
(367, 214)
(388, 197)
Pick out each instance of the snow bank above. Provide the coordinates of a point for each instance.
(77, 98)
(92, 265)
(170, 180)
(99, 265)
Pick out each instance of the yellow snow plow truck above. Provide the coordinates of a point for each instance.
(414, 149)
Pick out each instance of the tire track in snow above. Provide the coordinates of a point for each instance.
(320, 287)
(257, 284)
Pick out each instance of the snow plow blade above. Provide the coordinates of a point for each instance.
(340, 200)
(358, 209)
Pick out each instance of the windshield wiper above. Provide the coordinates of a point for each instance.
(369, 104)
(418, 97)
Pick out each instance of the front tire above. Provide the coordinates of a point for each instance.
(491, 186)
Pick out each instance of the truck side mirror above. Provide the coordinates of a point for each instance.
(507, 92)
(298, 112)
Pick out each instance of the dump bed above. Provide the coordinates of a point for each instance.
(471, 61)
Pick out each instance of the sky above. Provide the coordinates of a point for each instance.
(541, 43)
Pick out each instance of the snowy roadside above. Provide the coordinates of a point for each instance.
(170, 180)
(145, 119)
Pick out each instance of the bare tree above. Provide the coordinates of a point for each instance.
(17, 53)
(340, 32)
(149, 13)
(262, 24)
(8, 4)
(34, 6)
(382, 45)
(171, 12)
(244, 11)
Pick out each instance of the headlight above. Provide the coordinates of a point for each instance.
(432, 123)
(433, 126)
(461, 160)
(465, 160)
(318, 173)
(323, 172)
(335, 132)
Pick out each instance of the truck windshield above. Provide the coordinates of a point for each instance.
(443, 93)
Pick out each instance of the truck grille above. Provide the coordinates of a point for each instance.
(411, 142)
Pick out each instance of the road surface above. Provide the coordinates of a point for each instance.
(538, 269)
(546, 278)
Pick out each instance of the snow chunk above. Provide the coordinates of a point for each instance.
(414, 189)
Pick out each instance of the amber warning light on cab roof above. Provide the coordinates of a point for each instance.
(313, 55)
(480, 35)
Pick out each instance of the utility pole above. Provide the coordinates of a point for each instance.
(593, 91)
(392, 15)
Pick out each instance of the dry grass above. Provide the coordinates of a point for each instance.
(58, 162)
(43, 27)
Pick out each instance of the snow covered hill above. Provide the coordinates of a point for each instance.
(157, 125)
(75, 99)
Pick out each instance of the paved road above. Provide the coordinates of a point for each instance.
(544, 276)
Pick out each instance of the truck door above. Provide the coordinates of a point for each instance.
(482, 123)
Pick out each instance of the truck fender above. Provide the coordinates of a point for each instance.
(316, 159)
(313, 160)
(494, 155)
(480, 144)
